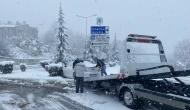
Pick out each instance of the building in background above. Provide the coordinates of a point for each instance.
(10, 29)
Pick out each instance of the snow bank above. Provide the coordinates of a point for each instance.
(113, 70)
(112, 64)
(6, 62)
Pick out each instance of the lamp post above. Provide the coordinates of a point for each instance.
(86, 31)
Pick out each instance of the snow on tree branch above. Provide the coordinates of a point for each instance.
(61, 55)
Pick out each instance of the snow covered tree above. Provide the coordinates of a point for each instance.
(49, 38)
(61, 55)
(181, 55)
(89, 52)
(105, 52)
(86, 53)
(115, 52)
(76, 42)
(4, 49)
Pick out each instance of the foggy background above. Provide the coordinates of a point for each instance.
(169, 20)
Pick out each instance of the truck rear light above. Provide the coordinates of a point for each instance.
(118, 76)
(123, 76)
(143, 41)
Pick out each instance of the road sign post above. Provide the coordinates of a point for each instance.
(99, 35)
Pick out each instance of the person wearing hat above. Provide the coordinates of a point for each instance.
(79, 70)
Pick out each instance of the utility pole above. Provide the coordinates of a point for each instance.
(86, 32)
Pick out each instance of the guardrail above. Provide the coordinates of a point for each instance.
(18, 61)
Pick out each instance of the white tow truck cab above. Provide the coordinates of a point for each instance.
(129, 61)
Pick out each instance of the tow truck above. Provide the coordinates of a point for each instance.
(156, 83)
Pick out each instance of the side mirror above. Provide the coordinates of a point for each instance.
(128, 50)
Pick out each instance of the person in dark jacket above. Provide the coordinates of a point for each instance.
(102, 65)
(75, 62)
(79, 70)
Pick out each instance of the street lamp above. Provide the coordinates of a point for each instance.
(86, 30)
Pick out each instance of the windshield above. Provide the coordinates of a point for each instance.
(143, 53)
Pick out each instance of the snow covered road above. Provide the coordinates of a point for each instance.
(37, 95)
(29, 98)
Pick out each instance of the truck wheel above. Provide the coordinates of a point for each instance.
(94, 86)
(130, 101)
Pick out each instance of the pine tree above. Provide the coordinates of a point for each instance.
(115, 52)
(105, 52)
(61, 55)
(88, 52)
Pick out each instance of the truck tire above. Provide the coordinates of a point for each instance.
(130, 101)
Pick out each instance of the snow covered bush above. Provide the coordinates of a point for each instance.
(4, 50)
(112, 64)
(181, 56)
(29, 44)
(43, 63)
(6, 66)
(114, 52)
(55, 69)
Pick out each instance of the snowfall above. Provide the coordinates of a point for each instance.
(37, 74)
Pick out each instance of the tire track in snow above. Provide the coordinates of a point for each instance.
(41, 98)
(71, 102)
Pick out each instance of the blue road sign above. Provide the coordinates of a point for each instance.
(99, 29)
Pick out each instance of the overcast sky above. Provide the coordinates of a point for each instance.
(167, 19)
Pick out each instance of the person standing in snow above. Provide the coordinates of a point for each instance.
(79, 70)
(74, 63)
(102, 65)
